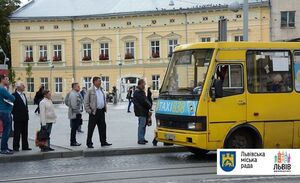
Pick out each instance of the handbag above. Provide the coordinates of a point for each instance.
(40, 143)
(43, 134)
(1, 126)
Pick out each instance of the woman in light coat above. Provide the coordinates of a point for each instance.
(47, 116)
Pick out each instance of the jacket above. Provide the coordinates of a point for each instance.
(141, 103)
(90, 101)
(20, 110)
(47, 114)
(4, 105)
(75, 104)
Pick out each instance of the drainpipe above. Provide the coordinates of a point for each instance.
(73, 50)
(271, 21)
(186, 27)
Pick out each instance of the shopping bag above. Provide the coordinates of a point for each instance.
(1, 126)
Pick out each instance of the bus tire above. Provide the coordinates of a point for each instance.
(241, 139)
(198, 152)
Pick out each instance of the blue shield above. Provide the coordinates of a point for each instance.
(227, 160)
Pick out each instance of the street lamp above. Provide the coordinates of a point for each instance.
(5, 57)
(120, 74)
(51, 68)
(235, 7)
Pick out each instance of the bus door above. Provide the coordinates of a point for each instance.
(228, 99)
(270, 87)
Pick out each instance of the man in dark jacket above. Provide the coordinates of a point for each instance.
(20, 117)
(141, 110)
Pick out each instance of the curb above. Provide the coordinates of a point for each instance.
(90, 153)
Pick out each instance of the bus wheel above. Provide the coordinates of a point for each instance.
(240, 139)
(198, 152)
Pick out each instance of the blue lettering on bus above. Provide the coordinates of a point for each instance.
(173, 107)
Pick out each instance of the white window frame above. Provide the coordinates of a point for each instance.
(155, 82)
(87, 82)
(30, 85)
(43, 50)
(105, 80)
(104, 48)
(288, 19)
(172, 46)
(87, 50)
(238, 38)
(45, 82)
(57, 50)
(58, 84)
(155, 48)
(130, 48)
(28, 51)
(205, 39)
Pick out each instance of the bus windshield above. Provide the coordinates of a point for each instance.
(186, 72)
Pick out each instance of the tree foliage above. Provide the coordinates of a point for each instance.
(6, 8)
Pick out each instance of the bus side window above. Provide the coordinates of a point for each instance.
(228, 80)
(269, 71)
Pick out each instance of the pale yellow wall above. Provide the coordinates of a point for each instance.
(141, 31)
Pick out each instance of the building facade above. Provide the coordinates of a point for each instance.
(121, 47)
(285, 19)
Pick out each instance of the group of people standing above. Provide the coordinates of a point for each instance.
(93, 100)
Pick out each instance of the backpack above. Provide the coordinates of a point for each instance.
(67, 99)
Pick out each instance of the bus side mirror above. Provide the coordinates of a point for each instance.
(217, 92)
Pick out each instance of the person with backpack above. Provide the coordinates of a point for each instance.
(74, 102)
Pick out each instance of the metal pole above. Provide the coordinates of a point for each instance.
(120, 64)
(246, 20)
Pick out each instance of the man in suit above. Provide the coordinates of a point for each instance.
(20, 118)
(95, 106)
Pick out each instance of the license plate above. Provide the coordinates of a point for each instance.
(170, 136)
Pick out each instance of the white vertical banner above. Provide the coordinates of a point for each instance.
(258, 162)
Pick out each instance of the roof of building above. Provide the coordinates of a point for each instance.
(80, 8)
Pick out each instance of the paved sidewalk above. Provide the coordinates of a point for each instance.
(121, 132)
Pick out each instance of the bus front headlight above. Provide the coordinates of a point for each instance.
(192, 126)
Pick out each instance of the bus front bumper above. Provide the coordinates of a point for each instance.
(182, 137)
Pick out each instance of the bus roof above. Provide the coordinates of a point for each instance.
(239, 45)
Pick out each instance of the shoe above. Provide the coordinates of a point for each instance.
(27, 149)
(6, 152)
(105, 144)
(146, 141)
(44, 150)
(142, 142)
(80, 131)
(16, 150)
(10, 150)
(50, 149)
(154, 142)
(90, 146)
(75, 144)
(129, 111)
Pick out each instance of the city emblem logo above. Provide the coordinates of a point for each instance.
(227, 160)
(282, 162)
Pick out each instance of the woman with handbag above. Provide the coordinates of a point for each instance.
(47, 117)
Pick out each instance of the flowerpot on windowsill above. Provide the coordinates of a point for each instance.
(43, 59)
(28, 59)
(56, 59)
(155, 55)
(129, 56)
(103, 57)
(86, 58)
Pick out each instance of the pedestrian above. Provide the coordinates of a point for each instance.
(20, 118)
(95, 106)
(82, 93)
(141, 109)
(129, 97)
(75, 106)
(37, 99)
(6, 106)
(47, 117)
(115, 93)
(149, 96)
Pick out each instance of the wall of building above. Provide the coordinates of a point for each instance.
(280, 33)
(185, 27)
